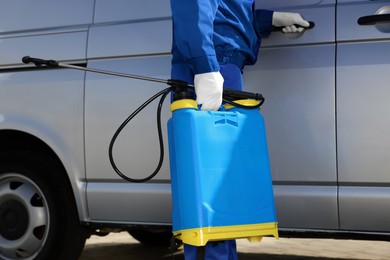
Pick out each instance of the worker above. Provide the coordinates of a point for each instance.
(213, 40)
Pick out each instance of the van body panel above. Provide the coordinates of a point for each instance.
(134, 203)
(326, 110)
(123, 10)
(60, 46)
(130, 39)
(42, 14)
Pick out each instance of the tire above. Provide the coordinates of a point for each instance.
(155, 238)
(38, 216)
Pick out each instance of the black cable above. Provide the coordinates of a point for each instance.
(162, 93)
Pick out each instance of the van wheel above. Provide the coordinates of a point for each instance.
(152, 237)
(38, 217)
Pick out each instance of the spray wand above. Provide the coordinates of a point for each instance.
(177, 86)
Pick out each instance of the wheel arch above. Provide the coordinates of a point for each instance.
(18, 140)
(13, 140)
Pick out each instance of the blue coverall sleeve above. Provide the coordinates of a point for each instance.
(193, 33)
(262, 22)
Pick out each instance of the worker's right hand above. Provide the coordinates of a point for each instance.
(289, 22)
(208, 89)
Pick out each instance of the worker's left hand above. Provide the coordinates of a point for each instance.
(289, 21)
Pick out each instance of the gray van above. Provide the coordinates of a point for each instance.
(327, 115)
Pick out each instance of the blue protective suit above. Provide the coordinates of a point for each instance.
(207, 33)
(210, 36)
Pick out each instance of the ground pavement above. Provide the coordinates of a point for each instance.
(120, 246)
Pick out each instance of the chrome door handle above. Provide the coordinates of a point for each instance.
(373, 19)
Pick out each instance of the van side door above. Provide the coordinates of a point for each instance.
(296, 74)
(132, 37)
(363, 118)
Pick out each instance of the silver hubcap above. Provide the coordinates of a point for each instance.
(24, 217)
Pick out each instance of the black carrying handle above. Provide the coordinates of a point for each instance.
(229, 94)
(279, 29)
(374, 19)
(237, 95)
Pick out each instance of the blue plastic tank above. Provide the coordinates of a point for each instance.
(220, 173)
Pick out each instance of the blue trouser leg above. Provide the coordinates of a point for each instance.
(224, 250)
(232, 77)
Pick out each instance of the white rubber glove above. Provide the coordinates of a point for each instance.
(289, 22)
(208, 89)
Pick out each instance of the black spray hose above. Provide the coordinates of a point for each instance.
(163, 95)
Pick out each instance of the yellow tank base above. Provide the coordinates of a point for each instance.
(253, 232)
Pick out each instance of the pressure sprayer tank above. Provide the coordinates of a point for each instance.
(220, 173)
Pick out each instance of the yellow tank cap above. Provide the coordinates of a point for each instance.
(243, 102)
(183, 103)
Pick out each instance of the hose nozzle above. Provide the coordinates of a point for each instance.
(39, 62)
